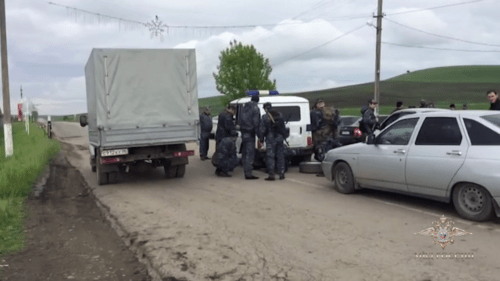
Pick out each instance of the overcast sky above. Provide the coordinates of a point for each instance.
(49, 45)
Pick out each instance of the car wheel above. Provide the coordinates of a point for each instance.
(344, 180)
(310, 167)
(472, 202)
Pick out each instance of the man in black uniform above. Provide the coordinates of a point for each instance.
(228, 160)
(369, 121)
(274, 132)
(493, 98)
(206, 128)
(249, 124)
(224, 127)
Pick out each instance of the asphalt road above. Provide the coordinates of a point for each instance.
(202, 227)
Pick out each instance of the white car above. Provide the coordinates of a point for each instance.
(449, 156)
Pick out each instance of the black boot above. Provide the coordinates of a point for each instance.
(282, 176)
(251, 177)
(270, 178)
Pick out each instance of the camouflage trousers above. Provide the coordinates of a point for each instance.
(275, 157)
(248, 155)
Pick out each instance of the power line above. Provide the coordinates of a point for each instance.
(317, 47)
(442, 36)
(317, 5)
(341, 18)
(433, 8)
(442, 49)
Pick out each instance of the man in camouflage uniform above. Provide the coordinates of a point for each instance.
(205, 128)
(227, 155)
(224, 127)
(274, 134)
(249, 126)
(317, 121)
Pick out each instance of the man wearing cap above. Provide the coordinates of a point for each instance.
(274, 132)
(228, 160)
(249, 126)
(317, 120)
(369, 120)
(205, 128)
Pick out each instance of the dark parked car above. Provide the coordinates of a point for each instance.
(349, 131)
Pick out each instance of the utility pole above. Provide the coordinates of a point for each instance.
(379, 17)
(9, 144)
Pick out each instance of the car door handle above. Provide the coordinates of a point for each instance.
(454, 152)
(301, 130)
(401, 151)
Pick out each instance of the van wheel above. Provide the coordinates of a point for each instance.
(170, 171)
(344, 180)
(472, 202)
(181, 170)
(102, 177)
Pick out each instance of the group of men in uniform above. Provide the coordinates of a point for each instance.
(269, 129)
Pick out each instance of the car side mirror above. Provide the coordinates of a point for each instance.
(371, 139)
(83, 121)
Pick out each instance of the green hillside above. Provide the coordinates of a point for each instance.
(443, 86)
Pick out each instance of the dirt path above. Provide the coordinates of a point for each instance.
(69, 238)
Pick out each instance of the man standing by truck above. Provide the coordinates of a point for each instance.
(206, 127)
(249, 125)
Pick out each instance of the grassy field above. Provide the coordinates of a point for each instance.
(17, 175)
(443, 86)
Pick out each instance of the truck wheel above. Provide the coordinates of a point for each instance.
(112, 177)
(102, 177)
(181, 170)
(170, 171)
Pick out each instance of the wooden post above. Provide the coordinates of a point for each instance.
(9, 144)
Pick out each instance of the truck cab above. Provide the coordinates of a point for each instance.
(295, 111)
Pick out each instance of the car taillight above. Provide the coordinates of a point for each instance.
(259, 145)
(110, 160)
(357, 133)
(309, 141)
(184, 153)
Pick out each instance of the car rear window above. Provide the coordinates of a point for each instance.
(480, 134)
(439, 131)
(290, 113)
(494, 119)
(347, 121)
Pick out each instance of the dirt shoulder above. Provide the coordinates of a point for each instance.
(68, 237)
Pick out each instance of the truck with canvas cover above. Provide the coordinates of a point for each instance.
(142, 110)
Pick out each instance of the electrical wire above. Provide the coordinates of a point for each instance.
(433, 8)
(317, 5)
(442, 49)
(324, 44)
(442, 36)
(342, 18)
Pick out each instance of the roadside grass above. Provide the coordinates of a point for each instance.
(18, 173)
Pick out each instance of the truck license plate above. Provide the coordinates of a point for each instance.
(114, 152)
(346, 133)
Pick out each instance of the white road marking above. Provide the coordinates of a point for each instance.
(409, 208)
(304, 183)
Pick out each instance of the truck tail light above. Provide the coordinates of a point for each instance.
(110, 160)
(259, 145)
(184, 153)
(309, 141)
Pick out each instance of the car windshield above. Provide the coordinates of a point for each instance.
(347, 121)
(495, 119)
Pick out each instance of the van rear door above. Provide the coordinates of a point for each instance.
(297, 121)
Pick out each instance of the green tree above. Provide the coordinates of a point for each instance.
(242, 68)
